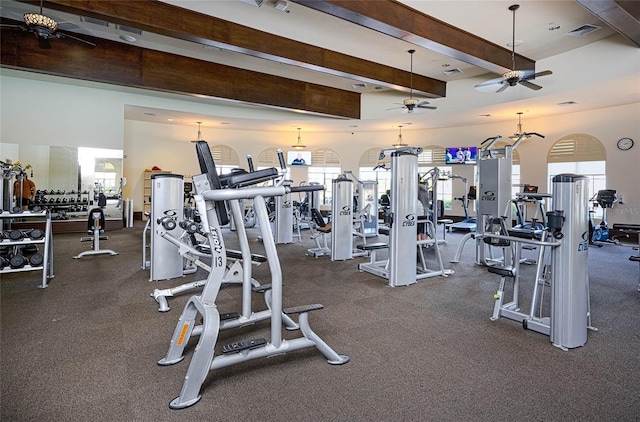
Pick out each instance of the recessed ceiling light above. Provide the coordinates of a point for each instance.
(553, 26)
(225, 123)
(514, 44)
(169, 120)
(149, 114)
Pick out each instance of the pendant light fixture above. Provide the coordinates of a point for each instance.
(519, 131)
(199, 133)
(400, 142)
(299, 144)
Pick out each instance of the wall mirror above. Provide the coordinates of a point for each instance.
(70, 181)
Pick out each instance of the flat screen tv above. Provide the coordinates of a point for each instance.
(298, 158)
(462, 155)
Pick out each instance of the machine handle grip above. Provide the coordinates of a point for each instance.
(283, 164)
(250, 162)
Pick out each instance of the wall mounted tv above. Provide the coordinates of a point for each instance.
(298, 158)
(462, 155)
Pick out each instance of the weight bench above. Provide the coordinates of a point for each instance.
(95, 226)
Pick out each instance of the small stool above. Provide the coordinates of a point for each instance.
(445, 222)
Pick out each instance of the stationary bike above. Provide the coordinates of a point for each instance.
(600, 233)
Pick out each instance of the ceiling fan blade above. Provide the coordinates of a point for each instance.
(543, 73)
(394, 108)
(530, 85)
(428, 107)
(490, 82)
(65, 35)
(44, 43)
(503, 87)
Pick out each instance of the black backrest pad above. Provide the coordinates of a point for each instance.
(208, 167)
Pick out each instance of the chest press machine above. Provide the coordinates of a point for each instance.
(400, 268)
(210, 202)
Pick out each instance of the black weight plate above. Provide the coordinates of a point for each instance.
(36, 260)
(17, 261)
(16, 235)
(36, 234)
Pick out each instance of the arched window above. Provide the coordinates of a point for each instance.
(325, 166)
(579, 153)
(225, 158)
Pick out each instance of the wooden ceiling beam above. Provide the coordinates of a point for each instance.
(169, 20)
(400, 21)
(623, 16)
(122, 64)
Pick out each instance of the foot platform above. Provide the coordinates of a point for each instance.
(243, 345)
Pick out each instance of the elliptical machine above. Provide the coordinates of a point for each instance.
(604, 198)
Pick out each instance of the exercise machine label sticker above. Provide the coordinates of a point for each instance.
(216, 240)
(410, 220)
(346, 210)
(183, 333)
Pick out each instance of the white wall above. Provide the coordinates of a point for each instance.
(69, 115)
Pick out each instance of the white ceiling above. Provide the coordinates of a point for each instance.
(570, 58)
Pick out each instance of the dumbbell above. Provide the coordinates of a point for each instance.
(17, 261)
(29, 249)
(16, 210)
(36, 260)
(16, 235)
(3, 262)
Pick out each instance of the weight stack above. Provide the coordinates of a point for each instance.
(570, 287)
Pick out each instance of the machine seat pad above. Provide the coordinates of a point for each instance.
(635, 258)
(505, 272)
(302, 309)
(373, 246)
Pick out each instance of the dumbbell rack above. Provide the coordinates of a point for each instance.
(72, 203)
(46, 241)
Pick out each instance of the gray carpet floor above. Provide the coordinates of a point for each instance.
(86, 348)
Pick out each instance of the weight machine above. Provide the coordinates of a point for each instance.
(569, 314)
(469, 223)
(210, 203)
(605, 198)
(400, 267)
(341, 228)
(494, 193)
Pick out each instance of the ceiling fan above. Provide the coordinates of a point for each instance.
(412, 103)
(44, 28)
(514, 76)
